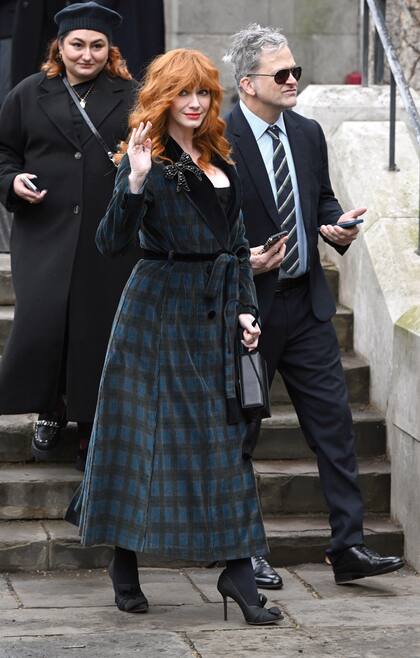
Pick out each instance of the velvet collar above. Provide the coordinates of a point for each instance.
(204, 198)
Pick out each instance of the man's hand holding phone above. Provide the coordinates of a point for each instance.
(26, 187)
(269, 256)
(345, 235)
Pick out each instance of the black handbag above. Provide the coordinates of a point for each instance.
(254, 393)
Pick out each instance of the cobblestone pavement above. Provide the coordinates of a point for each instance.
(71, 614)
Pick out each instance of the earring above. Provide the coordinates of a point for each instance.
(59, 57)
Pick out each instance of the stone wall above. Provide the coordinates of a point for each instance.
(403, 20)
(380, 274)
(323, 34)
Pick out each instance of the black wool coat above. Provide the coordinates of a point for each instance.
(66, 291)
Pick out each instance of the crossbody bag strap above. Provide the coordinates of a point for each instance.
(87, 120)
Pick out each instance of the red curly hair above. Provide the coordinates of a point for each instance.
(166, 76)
(115, 66)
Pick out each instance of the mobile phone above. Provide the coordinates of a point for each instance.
(350, 223)
(29, 184)
(273, 239)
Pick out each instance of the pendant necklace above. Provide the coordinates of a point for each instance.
(82, 99)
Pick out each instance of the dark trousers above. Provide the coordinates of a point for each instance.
(305, 351)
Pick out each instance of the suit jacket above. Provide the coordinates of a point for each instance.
(319, 205)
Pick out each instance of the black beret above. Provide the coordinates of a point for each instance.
(87, 16)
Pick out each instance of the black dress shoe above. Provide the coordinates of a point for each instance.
(47, 433)
(265, 576)
(359, 562)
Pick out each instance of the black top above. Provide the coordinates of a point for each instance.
(223, 195)
(82, 130)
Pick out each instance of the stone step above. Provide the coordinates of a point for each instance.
(356, 371)
(36, 491)
(333, 277)
(299, 539)
(293, 486)
(6, 320)
(282, 438)
(7, 296)
(343, 323)
(43, 491)
(48, 545)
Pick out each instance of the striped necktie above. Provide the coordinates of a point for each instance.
(285, 201)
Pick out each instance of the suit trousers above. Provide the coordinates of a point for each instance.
(306, 353)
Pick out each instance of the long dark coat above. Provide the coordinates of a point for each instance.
(165, 471)
(66, 291)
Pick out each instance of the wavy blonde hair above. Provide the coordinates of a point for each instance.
(166, 76)
(115, 66)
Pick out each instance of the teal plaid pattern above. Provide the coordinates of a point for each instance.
(165, 472)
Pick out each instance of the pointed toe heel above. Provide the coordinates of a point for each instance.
(255, 615)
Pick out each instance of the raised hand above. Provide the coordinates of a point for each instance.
(139, 153)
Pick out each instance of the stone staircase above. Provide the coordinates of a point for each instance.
(33, 496)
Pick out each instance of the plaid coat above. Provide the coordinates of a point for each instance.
(165, 472)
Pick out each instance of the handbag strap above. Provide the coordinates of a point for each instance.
(87, 120)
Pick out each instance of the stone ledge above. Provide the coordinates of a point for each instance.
(53, 545)
(282, 438)
(331, 105)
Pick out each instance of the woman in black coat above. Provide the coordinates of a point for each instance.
(66, 292)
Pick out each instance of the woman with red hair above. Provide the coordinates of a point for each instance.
(165, 472)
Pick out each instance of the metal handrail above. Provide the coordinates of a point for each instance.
(397, 78)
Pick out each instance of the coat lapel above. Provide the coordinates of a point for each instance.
(247, 146)
(53, 99)
(298, 145)
(203, 197)
(110, 91)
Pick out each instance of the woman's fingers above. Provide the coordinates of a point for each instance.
(139, 134)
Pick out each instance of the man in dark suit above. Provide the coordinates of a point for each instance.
(283, 166)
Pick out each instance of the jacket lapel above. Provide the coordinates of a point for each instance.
(247, 146)
(298, 145)
(54, 101)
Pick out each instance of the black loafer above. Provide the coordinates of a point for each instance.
(46, 436)
(360, 562)
(265, 576)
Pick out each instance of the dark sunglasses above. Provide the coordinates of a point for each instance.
(280, 77)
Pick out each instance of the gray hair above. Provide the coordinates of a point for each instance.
(247, 46)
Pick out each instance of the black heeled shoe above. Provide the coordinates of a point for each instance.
(128, 598)
(256, 615)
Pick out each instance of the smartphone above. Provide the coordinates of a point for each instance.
(273, 239)
(29, 184)
(350, 223)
